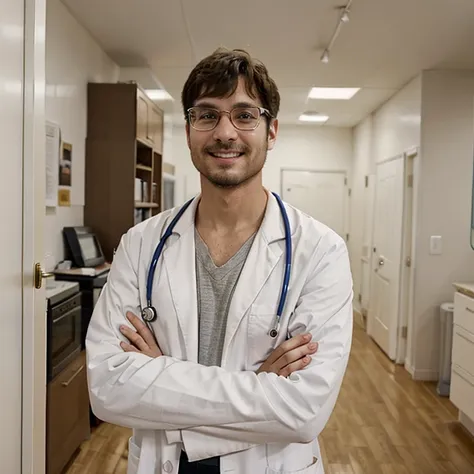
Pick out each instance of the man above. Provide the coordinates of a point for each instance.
(212, 389)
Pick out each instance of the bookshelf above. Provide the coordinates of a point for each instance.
(124, 160)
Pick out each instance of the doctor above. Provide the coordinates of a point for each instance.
(207, 386)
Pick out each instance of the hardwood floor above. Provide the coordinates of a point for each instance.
(384, 423)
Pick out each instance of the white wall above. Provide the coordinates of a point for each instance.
(392, 129)
(317, 148)
(73, 58)
(444, 204)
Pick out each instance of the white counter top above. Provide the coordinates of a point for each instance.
(465, 288)
(56, 287)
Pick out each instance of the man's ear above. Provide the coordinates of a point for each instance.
(272, 134)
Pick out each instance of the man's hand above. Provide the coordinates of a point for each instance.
(290, 356)
(142, 340)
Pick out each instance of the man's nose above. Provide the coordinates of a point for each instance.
(224, 130)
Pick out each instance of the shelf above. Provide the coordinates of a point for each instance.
(144, 168)
(142, 143)
(145, 205)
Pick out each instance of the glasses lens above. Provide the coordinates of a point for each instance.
(203, 119)
(245, 118)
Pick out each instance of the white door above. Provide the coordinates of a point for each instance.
(320, 194)
(387, 248)
(22, 321)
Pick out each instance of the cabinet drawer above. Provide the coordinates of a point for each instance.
(67, 414)
(463, 349)
(464, 311)
(462, 390)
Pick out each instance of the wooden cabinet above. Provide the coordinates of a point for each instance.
(67, 414)
(124, 146)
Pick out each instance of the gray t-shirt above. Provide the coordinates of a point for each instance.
(215, 287)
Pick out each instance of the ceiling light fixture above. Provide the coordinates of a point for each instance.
(343, 18)
(158, 94)
(333, 93)
(314, 117)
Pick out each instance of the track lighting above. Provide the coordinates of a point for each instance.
(345, 16)
(325, 57)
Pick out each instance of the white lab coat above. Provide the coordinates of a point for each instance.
(258, 424)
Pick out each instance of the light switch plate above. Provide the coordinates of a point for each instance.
(436, 246)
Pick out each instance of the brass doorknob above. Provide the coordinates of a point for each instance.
(39, 274)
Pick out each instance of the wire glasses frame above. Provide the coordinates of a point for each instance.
(205, 119)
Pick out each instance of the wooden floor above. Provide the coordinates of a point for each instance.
(384, 423)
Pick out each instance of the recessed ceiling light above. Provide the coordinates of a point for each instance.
(341, 93)
(313, 117)
(158, 94)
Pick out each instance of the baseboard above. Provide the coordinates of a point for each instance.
(422, 375)
(466, 422)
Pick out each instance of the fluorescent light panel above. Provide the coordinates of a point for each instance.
(335, 93)
(313, 117)
(158, 94)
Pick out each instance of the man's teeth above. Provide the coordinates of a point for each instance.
(226, 155)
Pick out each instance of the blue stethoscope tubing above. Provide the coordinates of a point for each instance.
(149, 313)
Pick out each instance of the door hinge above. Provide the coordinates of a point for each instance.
(360, 298)
(347, 237)
(408, 262)
(350, 192)
(404, 332)
(410, 181)
(345, 181)
(366, 181)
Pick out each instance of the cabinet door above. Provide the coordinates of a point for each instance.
(157, 129)
(142, 116)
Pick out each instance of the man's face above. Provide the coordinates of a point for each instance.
(226, 156)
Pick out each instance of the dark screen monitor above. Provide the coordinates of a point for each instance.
(83, 247)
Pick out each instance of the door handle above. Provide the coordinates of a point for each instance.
(39, 274)
(74, 375)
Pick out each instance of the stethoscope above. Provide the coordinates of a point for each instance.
(149, 313)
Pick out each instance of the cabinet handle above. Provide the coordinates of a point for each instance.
(469, 309)
(74, 375)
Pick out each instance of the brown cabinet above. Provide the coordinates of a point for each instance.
(124, 150)
(67, 414)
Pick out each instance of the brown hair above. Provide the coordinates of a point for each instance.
(217, 76)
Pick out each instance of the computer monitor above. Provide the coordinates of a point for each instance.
(83, 247)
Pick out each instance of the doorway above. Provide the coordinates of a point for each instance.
(391, 285)
(320, 194)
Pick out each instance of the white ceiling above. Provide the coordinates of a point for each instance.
(385, 44)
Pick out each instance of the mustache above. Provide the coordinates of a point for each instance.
(227, 147)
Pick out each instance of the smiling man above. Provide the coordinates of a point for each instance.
(247, 304)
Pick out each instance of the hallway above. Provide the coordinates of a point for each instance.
(384, 423)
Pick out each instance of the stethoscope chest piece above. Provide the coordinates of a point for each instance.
(149, 314)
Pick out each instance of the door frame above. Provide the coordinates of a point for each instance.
(325, 171)
(33, 447)
(404, 352)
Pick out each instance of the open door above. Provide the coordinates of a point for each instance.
(387, 251)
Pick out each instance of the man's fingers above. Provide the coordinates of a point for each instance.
(296, 354)
(134, 338)
(290, 344)
(128, 347)
(142, 329)
(295, 366)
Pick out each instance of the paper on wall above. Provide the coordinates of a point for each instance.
(53, 142)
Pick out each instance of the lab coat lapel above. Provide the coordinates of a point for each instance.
(266, 251)
(180, 264)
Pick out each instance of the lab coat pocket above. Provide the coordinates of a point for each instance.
(315, 468)
(133, 457)
(259, 343)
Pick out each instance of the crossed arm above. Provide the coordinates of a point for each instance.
(214, 409)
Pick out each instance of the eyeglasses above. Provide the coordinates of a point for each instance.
(205, 119)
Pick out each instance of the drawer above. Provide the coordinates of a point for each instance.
(463, 349)
(67, 424)
(462, 390)
(464, 311)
